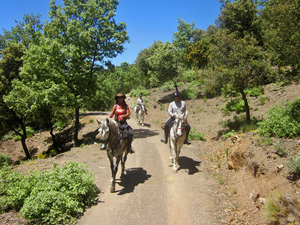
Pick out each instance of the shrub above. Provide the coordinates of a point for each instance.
(282, 121)
(4, 159)
(234, 105)
(294, 165)
(189, 93)
(136, 93)
(229, 134)
(255, 91)
(280, 150)
(195, 135)
(51, 197)
(168, 86)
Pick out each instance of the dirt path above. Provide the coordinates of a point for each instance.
(150, 193)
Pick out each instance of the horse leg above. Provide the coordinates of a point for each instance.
(143, 119)
(173, 148)
(113, 173)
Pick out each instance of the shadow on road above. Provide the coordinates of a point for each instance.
(144, 133)
(94, 114)
(189, 164)
(131, 179)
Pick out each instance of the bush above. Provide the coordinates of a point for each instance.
(136, 93)
(188, 94)
(4, 160)
(294, 165)
(282, 121)
(280, 150)
(234, 105)
(50, 197)
(195, 135)
(255, 91)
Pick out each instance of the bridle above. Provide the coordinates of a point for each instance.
(108, 139)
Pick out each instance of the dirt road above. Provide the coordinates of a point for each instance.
(150, 193)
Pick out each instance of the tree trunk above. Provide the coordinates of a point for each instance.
(176, 88)
(23, 141)
(246, 104)
(55, 146)
(76, 141)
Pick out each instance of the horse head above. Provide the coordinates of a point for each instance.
(143, 107)
(179, 122)
(103, 133)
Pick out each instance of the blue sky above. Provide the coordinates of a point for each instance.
(147, 20)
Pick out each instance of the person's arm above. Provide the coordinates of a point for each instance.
(170, 110)
(127, 113)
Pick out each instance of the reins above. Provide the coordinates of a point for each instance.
(107, 140)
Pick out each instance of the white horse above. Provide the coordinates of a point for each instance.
(117, 147)
(177, 138)
(140, 113)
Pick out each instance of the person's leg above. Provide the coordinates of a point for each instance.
(187, 128)
(167, 130)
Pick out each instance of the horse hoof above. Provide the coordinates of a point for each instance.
(175, 171)
(112, 189)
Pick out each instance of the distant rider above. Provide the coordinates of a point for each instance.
(140, 101)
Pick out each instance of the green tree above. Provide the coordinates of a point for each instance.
(25, 32)
(281, 25)
(10, 116)
(164, 64)
(241, 18)
(196, 54)
(142, 62)
(184, 35)
(85, 36)
(239, 64)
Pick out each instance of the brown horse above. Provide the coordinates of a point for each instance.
(116, 146)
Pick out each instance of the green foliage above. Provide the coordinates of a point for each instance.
(281, 151)
(137, 92)
(188, 76)
(255, 91)
(189, 93)
(229, 134)
(234, 105)
(164, 64)
(282, 121)
(4, 160)
(196, 54)
(264, 141)
(184, 35)
(279, 20)
(168, 86)
(279, 208)
(262, 100)
(51, 197)
(294, 165)
(196, 135)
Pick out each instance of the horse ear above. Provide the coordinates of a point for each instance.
(107, 120)
(99, 121)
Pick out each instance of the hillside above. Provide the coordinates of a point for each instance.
(246, 166)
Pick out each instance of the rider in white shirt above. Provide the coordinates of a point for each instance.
(140, 101)
(177, 106)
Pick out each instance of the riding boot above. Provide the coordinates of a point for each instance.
(165, 139)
